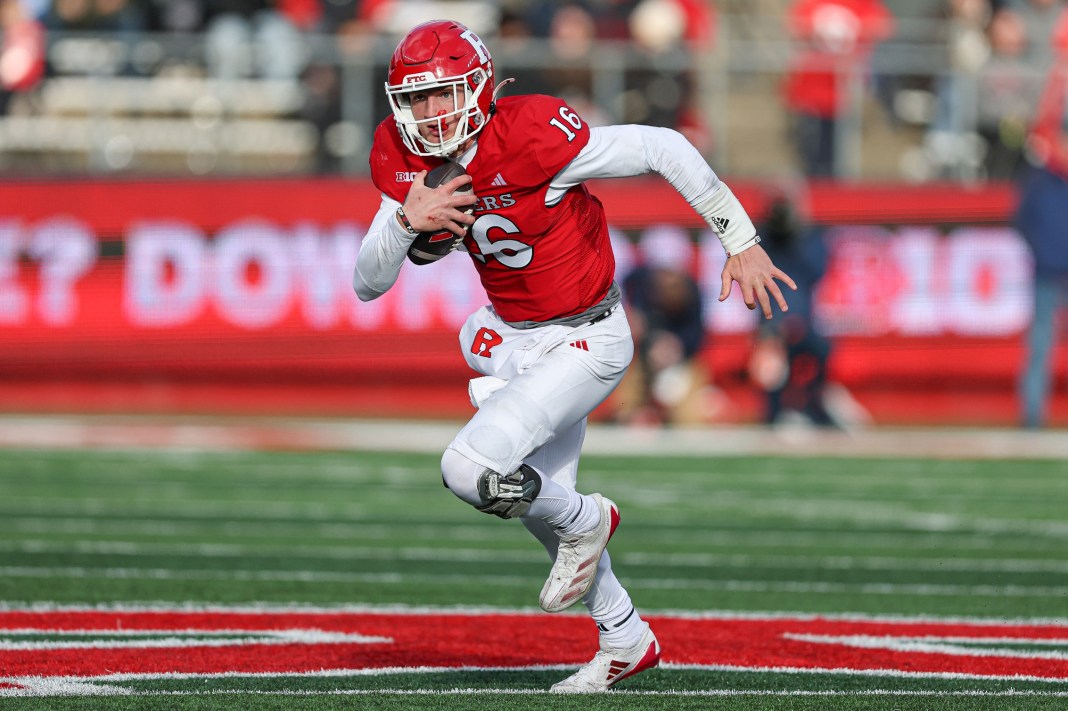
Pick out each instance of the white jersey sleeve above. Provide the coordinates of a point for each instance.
(624, 151)
(382, 253)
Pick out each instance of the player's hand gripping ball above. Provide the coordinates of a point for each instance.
(429, 247)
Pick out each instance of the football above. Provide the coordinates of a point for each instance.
(429, 247)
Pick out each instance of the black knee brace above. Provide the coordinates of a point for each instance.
(508, 495)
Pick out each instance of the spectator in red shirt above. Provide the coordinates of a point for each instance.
(836, 38)
(22, 51)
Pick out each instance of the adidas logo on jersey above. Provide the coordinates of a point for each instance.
(498, 181)
(581, 345)
(720, 223)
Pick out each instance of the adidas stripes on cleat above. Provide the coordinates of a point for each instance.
(610, 666)
(577, 558)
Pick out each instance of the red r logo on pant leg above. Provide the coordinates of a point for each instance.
(484, 342)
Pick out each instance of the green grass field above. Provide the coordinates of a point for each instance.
(843, 538)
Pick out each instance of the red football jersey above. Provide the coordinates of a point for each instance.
(536, 263)
(834, 30)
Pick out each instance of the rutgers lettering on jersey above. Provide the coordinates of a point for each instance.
(536, 262)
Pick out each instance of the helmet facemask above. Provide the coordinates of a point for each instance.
(466, 113)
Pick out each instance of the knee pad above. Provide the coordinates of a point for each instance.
(506, 496)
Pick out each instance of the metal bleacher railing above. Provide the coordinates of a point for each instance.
(143, 104)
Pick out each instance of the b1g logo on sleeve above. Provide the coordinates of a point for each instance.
(485, 341)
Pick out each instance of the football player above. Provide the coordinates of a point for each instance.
(553, 341)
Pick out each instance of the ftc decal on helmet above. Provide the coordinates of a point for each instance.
(435, 55)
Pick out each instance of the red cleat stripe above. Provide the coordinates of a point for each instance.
(649, 660)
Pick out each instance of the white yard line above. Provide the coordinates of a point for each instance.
(89, 686)
(482, 555)
(304, 608)
(788, 540)
(733, 585)
(52, 688)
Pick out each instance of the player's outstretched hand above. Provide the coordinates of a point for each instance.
(441, 208)
(756, 276)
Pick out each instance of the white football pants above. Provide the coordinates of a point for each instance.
(542, 384)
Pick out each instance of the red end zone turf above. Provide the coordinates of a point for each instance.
(131, 643)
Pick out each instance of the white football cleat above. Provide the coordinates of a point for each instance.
(610, 666)
(577, 558)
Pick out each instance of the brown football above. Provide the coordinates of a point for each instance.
(429, 247)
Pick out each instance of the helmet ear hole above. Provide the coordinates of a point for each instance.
(476, 79)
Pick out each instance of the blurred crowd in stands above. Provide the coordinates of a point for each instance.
(998, 54)
(978, 105)
(1010, 47)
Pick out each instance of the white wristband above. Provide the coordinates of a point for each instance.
(751, 243)
(728, 218)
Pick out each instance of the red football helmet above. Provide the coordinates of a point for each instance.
(439, 54)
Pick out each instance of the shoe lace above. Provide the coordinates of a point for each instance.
(600, 660)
